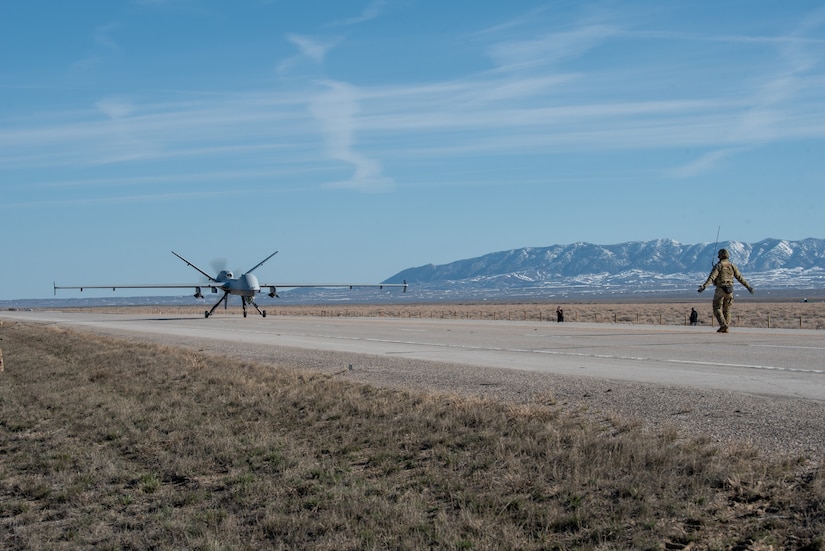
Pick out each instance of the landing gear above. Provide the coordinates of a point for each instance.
(250, 300)
(224, 298)
(244, 302)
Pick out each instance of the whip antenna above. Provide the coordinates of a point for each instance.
(712, 263)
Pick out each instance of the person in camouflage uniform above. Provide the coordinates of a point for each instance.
(722, 277)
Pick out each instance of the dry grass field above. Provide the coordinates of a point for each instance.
(746, 312)
(111, 444)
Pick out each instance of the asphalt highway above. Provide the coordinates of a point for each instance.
(773, 362)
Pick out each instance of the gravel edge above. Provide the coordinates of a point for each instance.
(777, 427)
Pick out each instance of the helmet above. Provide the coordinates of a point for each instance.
(723, 253)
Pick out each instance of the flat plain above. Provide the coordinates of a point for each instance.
(747, 311)
(133, 441)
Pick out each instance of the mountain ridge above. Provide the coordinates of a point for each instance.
(661, 256)
(634, 267)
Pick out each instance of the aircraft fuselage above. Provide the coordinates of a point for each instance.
(246, 285)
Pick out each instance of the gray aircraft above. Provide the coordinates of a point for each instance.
(246, 286)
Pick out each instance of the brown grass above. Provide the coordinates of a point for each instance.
(117, 445)
(746, 312)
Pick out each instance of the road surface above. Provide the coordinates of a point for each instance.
(770, 362)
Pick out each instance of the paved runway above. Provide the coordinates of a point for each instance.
(775, 362)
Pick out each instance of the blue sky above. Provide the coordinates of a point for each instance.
(360, 138)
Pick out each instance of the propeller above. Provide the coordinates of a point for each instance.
(218, 265)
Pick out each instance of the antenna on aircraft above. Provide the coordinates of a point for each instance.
(261, 263)
(209, 277)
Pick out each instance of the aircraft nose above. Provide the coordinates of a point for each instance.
(251, 282)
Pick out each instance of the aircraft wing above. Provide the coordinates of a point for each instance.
(197, 286)
(350, 285)
(138, 286)
(273, 287)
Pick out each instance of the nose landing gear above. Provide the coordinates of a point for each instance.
(250, 300)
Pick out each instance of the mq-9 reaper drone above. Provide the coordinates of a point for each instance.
(246, 286)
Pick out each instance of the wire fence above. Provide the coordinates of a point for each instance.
(777, 315)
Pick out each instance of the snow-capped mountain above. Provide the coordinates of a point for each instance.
(582, 269)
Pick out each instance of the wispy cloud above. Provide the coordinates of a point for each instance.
(336, 111)
(516, 22)
(373, 10)
(116, 108)
(507, 113)
(550, 48)
(105, 47)
(336, 108)
(312, 48)
(156, 131)
(769, 112)
(366, 129)
(703, 163)
(125, 199)
(103, 36)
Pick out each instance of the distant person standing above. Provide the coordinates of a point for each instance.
(694, 316)
(559, 314)
(722, 276)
